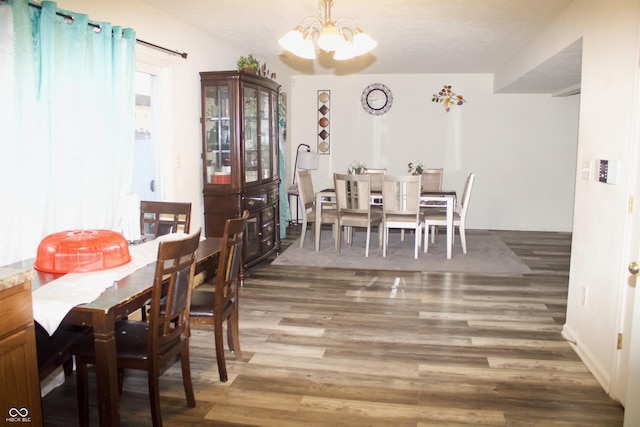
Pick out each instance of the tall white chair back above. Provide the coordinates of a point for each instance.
(401, 207)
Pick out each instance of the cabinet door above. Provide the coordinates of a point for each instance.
(217, 128)
(275, 149)
(266, 136)
(251, 135)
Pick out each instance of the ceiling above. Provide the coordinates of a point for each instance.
(414, 36)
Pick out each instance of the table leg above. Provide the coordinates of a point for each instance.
(449, 226)
(106, 369)
(318, 222)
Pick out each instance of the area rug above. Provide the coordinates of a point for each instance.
(486, 253)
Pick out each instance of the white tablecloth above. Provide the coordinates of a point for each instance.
(52, 302)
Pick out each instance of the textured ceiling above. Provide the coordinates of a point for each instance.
(414, 36)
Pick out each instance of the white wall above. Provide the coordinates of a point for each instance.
(601, 248)
(521, 147)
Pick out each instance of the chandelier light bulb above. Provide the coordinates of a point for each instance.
(328, 35)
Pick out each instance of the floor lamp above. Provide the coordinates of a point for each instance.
(304, 160)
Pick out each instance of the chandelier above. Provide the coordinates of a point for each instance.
(330, 36)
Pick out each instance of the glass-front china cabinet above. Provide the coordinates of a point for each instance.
(240, 157)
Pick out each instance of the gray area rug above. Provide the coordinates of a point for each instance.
(486, 253)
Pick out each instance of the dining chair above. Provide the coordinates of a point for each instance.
(214, 308)
(160, 218)
(434, 218)
(329, 213)
(353, 194)
(55, 350)
(401, 207)
(432, 179)
(151, 346)
(376, 185)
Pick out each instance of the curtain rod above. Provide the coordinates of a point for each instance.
(97, 27)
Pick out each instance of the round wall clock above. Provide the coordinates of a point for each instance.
(376, 99)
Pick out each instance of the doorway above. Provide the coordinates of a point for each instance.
(144, 181)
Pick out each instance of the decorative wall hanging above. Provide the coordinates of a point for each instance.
(448, 98)
(324, 121)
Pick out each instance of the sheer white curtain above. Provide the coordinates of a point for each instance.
(66, 130)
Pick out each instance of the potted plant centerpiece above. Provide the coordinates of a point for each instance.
(248, 64)
(415, 168)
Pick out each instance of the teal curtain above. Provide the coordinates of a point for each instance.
(285, 211)
(67, 153)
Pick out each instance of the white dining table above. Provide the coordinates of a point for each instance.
(445, 198)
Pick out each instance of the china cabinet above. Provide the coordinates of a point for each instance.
(240, 157)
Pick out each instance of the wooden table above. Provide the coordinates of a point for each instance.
(447, 198)
(118, 301)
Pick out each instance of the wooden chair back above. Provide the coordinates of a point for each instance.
(432, 179)
(376, 179)
(214, 308)
(466, 196)
(353, 193)
(401, 195)
(172, 287)
(401, 207)
(353, 199)
(305, 191)
(160, 218)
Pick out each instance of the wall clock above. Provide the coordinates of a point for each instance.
(376, 99)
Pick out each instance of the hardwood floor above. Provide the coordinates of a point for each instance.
(329, 347)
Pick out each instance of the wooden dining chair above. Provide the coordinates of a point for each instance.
(154, 345)
(376, 178)
(160, 218)
(432, 179)
(401, 207)
(353, 198)
(329, 213)
(214, 308)
(434, 217)
(55, 350)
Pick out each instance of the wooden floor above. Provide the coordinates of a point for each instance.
(329, 347)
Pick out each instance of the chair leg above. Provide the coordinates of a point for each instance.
(338, 237)
(366, 253)
(426, 238)
(463, 238)
(153, 376)
(385, 242)
(186, 377)
(303, 232)
(217, 333)
(82, 386)
(232, 334)
(120, 380)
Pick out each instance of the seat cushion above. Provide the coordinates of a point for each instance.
(202, 303)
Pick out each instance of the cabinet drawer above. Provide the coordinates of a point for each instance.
(268, 243)
(255, 201)
(273, 195)
(268, 229)
(268, 215)
(15, 306)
